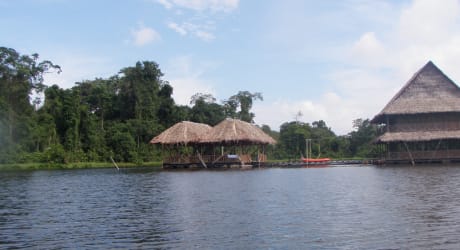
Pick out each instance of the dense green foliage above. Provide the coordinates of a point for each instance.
(116, 117)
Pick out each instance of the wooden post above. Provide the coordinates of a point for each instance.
(388, 123)
(388, 150)
(410, 154)
(319, 149)
(114, 163)
(201, 160)
(436, 150)
(308, 149)
(258, 156)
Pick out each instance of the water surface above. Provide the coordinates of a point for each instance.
(331, 208)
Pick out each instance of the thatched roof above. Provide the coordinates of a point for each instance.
(428, 91)
(419, 136)
(182, 133)
(233, 131)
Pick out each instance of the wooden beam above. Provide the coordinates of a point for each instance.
(436, 150)
(201, 160)
(410, 154)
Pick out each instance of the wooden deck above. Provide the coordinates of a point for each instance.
(214, 161)
(232, 162)
(301, 164)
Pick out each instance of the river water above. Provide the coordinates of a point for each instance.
(314, 208)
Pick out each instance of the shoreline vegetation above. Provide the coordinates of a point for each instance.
(76, 165)
(100, 165)
(49, 127)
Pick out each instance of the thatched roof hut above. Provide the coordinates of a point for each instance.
(425, 109)
(234, 131)
(184, 133)
(428, 91)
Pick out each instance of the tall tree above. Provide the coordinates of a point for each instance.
(168, 112)
(97, 96)
(243, 100)
(205, 110)
(139, 88)
(292, 139)
(20, 76)
(362, 137)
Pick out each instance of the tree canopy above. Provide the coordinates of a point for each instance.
(117, 116)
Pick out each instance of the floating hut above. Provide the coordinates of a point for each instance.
(236, 139)
(181, 141)
(231, 143)
(422, 121)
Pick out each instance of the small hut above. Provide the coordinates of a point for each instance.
(229, 144)
(422, 121)
(177, 138)
(237, 139)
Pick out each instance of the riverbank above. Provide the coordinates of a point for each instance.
(89, 165)
(76, 165)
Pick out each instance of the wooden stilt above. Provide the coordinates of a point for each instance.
(410, 154)
(201, 160)
(114, 163)
(435, 150)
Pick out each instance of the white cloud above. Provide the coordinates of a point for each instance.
(428, 21)
(187, 77)
(200, 25)
(425, 30)
(205, 36)
(77, 67)
(331, 108)
(167, 4)
(202, 5)
(185, 87)
(144, 35)
(202, 32)
(368, 48)
(178, 28)
(373, 67)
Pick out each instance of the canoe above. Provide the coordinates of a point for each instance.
(316, 160)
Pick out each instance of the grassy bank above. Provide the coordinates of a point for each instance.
(78, 165)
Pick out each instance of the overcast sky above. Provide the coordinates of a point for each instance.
(330, 60)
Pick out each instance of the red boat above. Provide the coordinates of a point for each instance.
(316, 160)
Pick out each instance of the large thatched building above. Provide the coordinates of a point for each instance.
(231, 143)
(422, 121)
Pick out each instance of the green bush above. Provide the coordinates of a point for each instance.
(55, 154)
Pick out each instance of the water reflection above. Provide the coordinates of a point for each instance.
(341, 207)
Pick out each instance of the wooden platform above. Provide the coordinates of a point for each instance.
(422, 161)
(198, 161)
(292, 164)
(324, 164)
(219, 165)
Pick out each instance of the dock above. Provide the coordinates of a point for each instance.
(287, 164)
(294, 164)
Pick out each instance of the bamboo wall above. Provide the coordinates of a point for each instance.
(425, 150)
(425, 122)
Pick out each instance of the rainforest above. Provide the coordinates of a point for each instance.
(116, 117)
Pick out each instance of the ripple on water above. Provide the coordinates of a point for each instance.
(332, 208)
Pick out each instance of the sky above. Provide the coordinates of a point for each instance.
(328, 60)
